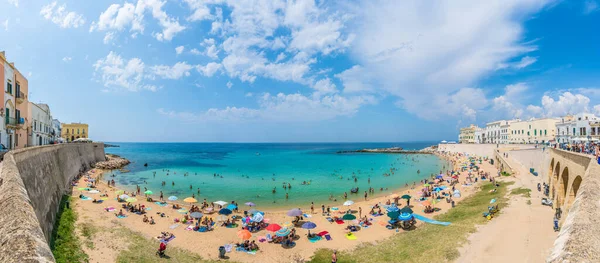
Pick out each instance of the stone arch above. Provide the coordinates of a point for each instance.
(563, 184)
(551, 172)
(574, 189)
(556, 173)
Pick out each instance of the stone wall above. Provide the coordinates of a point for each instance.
(32, 182)
(484, 150)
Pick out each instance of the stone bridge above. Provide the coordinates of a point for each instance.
(566, 172)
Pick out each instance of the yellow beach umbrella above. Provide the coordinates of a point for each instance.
(190, 200)
(287, 225)
(119, 192)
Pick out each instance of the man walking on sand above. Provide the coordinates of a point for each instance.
(334, 257)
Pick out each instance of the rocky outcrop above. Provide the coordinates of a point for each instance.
(112, 162)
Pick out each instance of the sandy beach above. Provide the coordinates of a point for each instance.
(107, 244)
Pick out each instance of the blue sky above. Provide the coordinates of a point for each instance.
(304, 70)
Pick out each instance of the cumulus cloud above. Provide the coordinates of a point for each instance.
(176, 71)
(66, 59)
(179, 50)
(59, 15)
(209, 69)
(119, 17)
(566, 103)
(229, 84)
(509, 104)
(116, 72)
(590, 6)
(195, 51)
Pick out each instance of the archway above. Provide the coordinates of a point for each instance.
(551, 172)
(562, 187)
(555, 179)
(574, 190)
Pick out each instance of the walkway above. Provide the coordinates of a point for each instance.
(523, 232)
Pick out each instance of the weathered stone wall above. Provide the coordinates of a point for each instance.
(32, 182)
(484, 150)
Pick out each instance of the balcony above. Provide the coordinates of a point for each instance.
(20, 97)
(11, 122)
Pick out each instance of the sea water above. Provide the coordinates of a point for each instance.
(248, 172)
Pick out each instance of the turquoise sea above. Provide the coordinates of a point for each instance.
(250, 171)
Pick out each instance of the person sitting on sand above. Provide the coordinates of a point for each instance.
(120, 213)
(176, 206)
(379, 212)
(145, 220)
(253, 246)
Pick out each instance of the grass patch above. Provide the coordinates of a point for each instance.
(64, 242)
(87, 231)
(504, 173)
(526, 192)
(141, 249)
(428, 243)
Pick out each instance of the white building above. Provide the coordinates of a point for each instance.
(575, 128)
(41, 124)
(533, 131)
(56, 131)
(492, 131)
(479, 135)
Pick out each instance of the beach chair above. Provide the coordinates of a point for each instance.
(269, 238)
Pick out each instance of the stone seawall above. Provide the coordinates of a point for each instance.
(32, 183)
(484, 150)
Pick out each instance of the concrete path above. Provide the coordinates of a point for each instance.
(522, 233)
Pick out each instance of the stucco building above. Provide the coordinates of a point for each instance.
(533, 130)
(13, 129)
(576, 128)
(40, 124)
(467, 134)
(74, 131)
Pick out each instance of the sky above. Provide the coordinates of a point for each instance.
(303, 70)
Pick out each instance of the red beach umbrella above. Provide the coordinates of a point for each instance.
(273, 227)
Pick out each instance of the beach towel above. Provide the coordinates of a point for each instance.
(166, 240)
(228, 248)
(109, 209)
(350, 236)
(174, 226)
(160, 204)
(314, 239)
(261, 239)
(339, 222)
(86, 198)
(148, 208)
(430, 221)
(330, 219)
(307, 215)
(322, 233)
(328, 237)
(189, 228)
(123, 216)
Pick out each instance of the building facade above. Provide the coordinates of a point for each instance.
(41, 124)
(492, 130)
(11, 136)
(74, 131)
(467, 134)
(576, 128)
(56, 131)
(479, 135)
(533, 131)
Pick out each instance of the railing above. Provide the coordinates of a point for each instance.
(10, 121)
(20, 95)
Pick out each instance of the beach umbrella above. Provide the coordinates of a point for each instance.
(148, 192)
(208, 209)
(407, 197)
(253, 211)
(287, 225)
(119, 192)
(273, 227)
(221, 218)
(123, 196)
(172, 198)
(225, 211)
(231, 207)
(283, 232)
(439, 177)
(258, 217)
(392, 209)
(393, 214)
(349, 217)
(294, 212)
(244, 234)
(309, 226)
(250, 204)
(131, 200)
(221, 203)
(196, 215)
(426, 203)
(405, 217)
(190, 200)
(349, 203)
(437, 189)
(406, 210)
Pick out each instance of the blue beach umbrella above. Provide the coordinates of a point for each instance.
(231, 207)
(258, 218)
(196, 215)
(392, 209)
(294, 212)
(225, 211)
(172, 198)
(282, 232)
(405, 217)
(309, 226)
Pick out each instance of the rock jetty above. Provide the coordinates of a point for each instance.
(428, 150)
(112, 162)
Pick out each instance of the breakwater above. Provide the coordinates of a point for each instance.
(32, 183)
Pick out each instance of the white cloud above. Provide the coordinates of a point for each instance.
(590, 6)
(524, 62)
(120, 17)
(229, 84)
(210, 69)
(597, 110)
(177, 71)
(200, 8)
(108, 37)
(195, 51)
(280, 57)
(324, 86)
(437, 51)
(280, 108)
(30, 74)
(66, 59)
(60, 16)
(356, 79)
(116, 72)
(179, 50)
(509, 104)
(249, 94)
(5, 25)
(567, 103)
(14, 2)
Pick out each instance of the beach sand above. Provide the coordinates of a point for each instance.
(107, 244)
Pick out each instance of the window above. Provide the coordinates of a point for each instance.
(545, 132)
(573, 130)
(535, 132)
(83, 131)
(34, 125)
(77, 131)
(9, 87)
